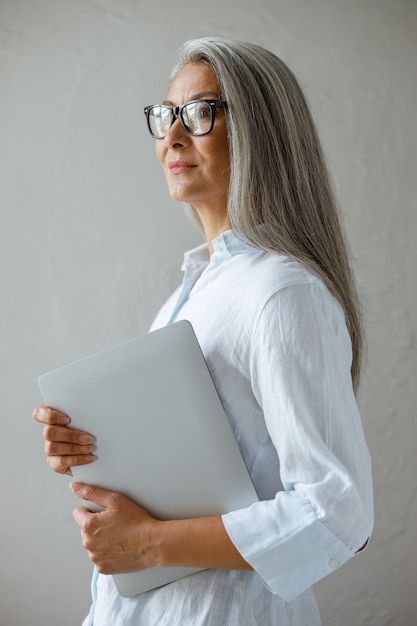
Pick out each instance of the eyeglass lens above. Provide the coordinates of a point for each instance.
(196, 118)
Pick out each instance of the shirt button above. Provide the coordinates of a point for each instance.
(333, 563)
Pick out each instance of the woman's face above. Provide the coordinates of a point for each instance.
(197, 169)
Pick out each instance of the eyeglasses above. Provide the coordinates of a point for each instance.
(196, 117)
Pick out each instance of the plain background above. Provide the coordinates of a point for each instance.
(91, 244)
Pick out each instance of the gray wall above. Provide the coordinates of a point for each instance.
(91, 244)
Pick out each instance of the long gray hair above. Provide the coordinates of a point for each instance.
(280, 196)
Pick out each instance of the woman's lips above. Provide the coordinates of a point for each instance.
(179, 167)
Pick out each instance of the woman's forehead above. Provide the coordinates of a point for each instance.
(193, 81)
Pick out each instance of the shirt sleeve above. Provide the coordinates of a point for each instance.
(300, 375)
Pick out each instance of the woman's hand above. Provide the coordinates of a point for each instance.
(64, 447)
(118, 539)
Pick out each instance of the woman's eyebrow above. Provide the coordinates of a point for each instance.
(196, 96)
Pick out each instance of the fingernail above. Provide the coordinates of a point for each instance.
(75, 486)
(85, 439)
(63, 420)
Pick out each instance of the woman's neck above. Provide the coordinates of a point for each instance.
(213, 226)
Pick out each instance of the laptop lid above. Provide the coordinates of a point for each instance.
(162, 436)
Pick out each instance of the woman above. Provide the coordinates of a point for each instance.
(272, 300)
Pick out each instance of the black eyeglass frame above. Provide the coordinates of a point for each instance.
(177, 113)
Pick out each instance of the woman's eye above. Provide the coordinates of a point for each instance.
(203, 113)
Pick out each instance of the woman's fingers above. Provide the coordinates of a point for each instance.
(62, 464)
(64, 447)
(62, 453)
(68, 435)
(46, 415)
(54, 448)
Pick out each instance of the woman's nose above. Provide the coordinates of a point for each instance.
(177, 136)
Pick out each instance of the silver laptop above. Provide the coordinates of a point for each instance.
(162, 436)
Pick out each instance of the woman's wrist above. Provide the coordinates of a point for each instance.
(156, 540)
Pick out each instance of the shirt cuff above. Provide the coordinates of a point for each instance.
(285, 543)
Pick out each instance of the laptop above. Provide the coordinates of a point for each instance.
(162, 436)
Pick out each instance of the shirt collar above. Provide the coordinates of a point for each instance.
(227, 244)
(196, 257)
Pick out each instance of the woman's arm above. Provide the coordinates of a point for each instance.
(125, 538)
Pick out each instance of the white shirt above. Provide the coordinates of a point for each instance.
(278, 350)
